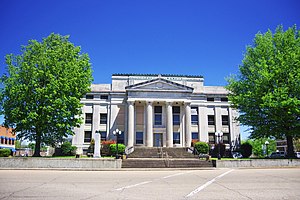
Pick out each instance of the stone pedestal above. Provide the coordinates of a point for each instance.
(97, 146)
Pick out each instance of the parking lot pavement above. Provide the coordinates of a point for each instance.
(280, 183)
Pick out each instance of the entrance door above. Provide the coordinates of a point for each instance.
(158, 139)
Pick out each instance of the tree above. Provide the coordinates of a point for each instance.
(267, 89)
(258, 146)
(42, 91)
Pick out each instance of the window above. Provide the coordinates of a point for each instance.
(211, 138)
(88, 96)
(211, 119)
(157, 115)
(13, 142)
(88, 118)
(103, 118)
(194, 112)
(176, 115)
(226, 138)
(87, 136)
(224, 99)
(210, 99)
(104, 97)
(195, 136)
(176, 138)
(103, 135)
(225, 120)
(194, 119)
(139, 138)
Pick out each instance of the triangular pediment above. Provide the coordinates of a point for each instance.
(159, 84)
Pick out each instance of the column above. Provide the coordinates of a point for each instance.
(96, 119)
(218, 119)
(188, 137)
(169, 124)
(130, 134)
(149, 124)
(203, 124)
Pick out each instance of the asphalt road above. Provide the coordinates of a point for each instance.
(272, 184)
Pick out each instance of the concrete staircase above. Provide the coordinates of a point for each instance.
(160, 152)
(154, 157)
(165, 163)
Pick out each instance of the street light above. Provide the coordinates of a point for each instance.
(219, 135)
(267, 143)
(117, 132)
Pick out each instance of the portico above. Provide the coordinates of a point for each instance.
(159, 126)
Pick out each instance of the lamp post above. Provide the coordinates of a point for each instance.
(267, 143)
(117, 132)
(219, 135)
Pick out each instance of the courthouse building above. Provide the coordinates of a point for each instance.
(157, 111)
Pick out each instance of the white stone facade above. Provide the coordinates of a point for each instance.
(157, 110)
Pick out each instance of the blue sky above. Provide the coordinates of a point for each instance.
(193, 37)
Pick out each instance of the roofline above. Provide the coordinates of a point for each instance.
(162, 75)
(153, 80)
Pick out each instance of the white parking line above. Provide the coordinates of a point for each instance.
(146, 182)
(207, 184)
(131, 186)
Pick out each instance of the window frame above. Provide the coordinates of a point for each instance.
(103, 120)
(211, 122)
(85, 138)
(139, 140)
(176, 140)
(88, 120)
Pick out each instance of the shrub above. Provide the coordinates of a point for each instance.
(5, 152)
(201, 147)
(113, 148)
(105, 150)
(67, 149)
(246, 150)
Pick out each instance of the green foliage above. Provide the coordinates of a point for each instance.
(5, 152)
(67, 149)
(246, 150)
(201, 147)
(267, 90)
(113, 148)
(18, 144)
(259, 144)
(297, 145)
(31, 145)
(105, 150)
(42, 91)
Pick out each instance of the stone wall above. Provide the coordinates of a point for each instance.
(257, 163)
(60, 163)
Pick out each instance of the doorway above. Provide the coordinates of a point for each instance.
(157, 139)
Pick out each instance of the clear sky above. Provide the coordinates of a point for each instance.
(190, 37)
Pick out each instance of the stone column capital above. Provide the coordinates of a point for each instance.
(169, 103)
(149, 102)
(187, 103)
(130, 102)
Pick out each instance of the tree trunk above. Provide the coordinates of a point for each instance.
(37, 146)
(290, 147)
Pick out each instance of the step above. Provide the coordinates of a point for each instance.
(165, 163)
